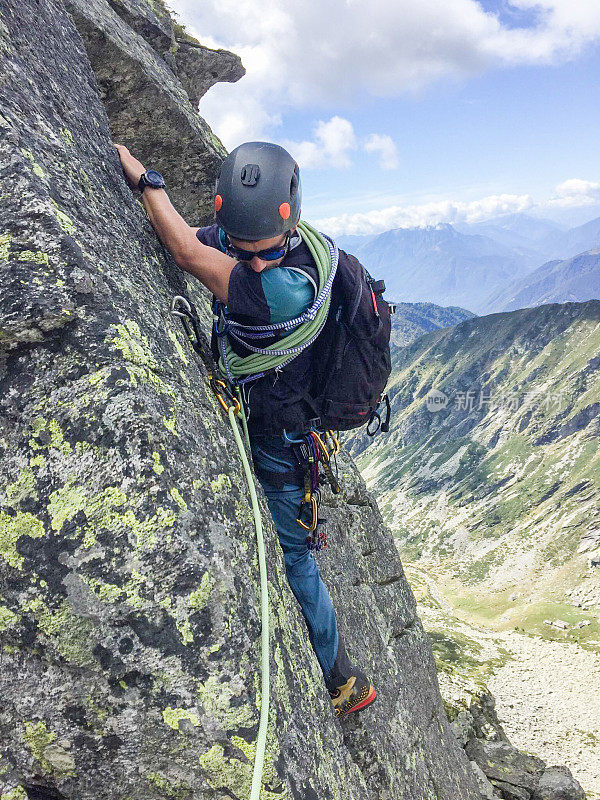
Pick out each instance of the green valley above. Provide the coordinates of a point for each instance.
(498, 485)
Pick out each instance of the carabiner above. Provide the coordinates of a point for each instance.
(374, 417)
(220, 317)
(309, 515)
(177, 300)
(335, 442)
(220, 388)
(324, 450)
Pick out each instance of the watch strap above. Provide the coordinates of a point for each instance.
(143, 182)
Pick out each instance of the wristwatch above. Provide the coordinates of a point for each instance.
(151, 178)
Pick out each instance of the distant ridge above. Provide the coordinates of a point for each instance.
(576, 279)
(500, 484)
(440, 265)
(412, 320)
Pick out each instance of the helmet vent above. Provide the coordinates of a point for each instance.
(294, 182)
(250, 174)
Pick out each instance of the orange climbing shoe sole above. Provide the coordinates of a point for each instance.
(364, 703)
(354, 700)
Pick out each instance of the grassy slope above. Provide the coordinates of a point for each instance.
(499, 497)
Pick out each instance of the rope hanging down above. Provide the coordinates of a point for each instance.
(261, 740)
(233, 407)
(304, 329)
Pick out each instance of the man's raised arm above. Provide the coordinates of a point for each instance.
(209, 265)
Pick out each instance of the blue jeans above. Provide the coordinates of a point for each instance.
(274, 455)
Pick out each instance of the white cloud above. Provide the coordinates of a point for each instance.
(432, 213)
(386, 147)
(333, 142)
(564, 27)
(295, 59)
(574, 193)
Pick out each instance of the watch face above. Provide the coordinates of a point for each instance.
(154, 178)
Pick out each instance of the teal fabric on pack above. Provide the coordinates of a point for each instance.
(288, 293)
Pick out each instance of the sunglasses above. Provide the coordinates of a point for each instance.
(269, 254)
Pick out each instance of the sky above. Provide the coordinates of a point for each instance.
(413, 112)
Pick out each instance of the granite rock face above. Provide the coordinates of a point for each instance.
(147, 91)
(197, 67)
(557, 783)
(504, 763)
(515, 775)
(501, 769)
(129, 596)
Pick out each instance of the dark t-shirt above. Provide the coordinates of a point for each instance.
(278, 400)
(267, 297)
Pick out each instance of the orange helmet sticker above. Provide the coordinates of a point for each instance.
(218, 202)
(285, 211)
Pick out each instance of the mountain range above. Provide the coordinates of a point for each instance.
(412, 320)
(576, 279)
(438, 264)
(485, 267)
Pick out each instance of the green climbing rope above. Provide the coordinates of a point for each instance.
(242, 366)
(233, 406)
(261, 740)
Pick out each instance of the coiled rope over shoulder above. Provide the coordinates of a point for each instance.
(301, 331)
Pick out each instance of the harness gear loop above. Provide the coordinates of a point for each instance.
(315, 449)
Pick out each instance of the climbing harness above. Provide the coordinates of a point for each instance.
(233, 408)
(312, 451)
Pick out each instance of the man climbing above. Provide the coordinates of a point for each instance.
(260, 270)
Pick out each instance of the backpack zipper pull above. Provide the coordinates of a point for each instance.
(375, 308)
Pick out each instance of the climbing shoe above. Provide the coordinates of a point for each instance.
(358, 692)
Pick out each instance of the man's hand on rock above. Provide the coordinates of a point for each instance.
(132, 168)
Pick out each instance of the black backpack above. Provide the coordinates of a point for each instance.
(351, 356)
(351, 360)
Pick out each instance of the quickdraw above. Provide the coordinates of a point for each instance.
(312, 451)
(180, 307)
(224, 395)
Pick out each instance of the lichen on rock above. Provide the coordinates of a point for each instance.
(129, 608)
